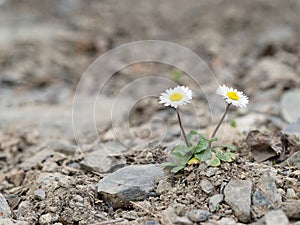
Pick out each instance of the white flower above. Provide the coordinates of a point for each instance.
(233, 96)
(175, 97)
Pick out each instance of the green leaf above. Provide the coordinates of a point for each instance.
(201, 146)
(176, 75)
(212, 140)
(177, 169)
(232, 122)
(231, 147)
(232, 155)
(204, 155)
(213, 161)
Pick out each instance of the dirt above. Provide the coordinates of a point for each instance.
(47, 46)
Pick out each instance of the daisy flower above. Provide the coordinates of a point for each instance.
(175, 97)
(233, 96)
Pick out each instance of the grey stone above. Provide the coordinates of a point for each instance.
(78, 198)
(297, 223)
(4, 207)
(103, 160)
(293, 160)
(293, 129)
(6, 221)
(52, 179)
(226, 221)
(37, 158)
(290, 193)
(152, 222)
(180, 209)
(45, 219)
(214, 201)
(276, 217)
(290, 105)
(163, 186)
(211, 171)
(39, 194)
(292, 209)
(127, 184)
(238, 196)
(266, 193)
(198, 215)
(206, 186)
(173, 218)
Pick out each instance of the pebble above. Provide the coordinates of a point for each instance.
(39, 194)
(293, 160)
(291, 209)
(206, 186)
(238, 196)
(174, 218)
(163, 186)
(215, 201)
(45, 219)
(4, 207)
(293, 129)
(198, 215)
(211, 171)
(290, 193)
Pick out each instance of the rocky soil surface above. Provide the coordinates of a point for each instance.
(104, 168)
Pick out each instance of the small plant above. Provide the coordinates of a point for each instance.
(201, 150)
(176, 75)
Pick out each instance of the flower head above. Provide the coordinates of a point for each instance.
(233, 96)
(175, 97)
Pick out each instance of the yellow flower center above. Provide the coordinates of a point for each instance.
(232, 95)
(176, 97)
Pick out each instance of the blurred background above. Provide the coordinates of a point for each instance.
(46, 46)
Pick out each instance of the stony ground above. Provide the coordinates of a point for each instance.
(113, 177)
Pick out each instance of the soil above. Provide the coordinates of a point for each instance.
(47, 46)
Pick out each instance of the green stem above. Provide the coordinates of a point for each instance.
(182, 130)
(219, 124)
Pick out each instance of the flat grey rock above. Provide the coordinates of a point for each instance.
(238, 197)
(293, 160)
(292, 209)
(172, 217)
(4, 207)
(276, 217)
(206, 186)
(266, 191)
(214, 201)
(198, 215)
(104, 159)
(129, 183)
(290, 105)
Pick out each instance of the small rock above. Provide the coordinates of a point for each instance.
(51, 179)
(45, 219)
(290, 193)
(103, 160)
(16, 177)
(206, 186)
(276, 217)
(268, 192)
(4, 207)
(215, 201)
(65, 148)
(39, 194)
(293, 160)
(292, 209)
(211, 171)
(49, 166)
(162, 187)
(180, 209)
(290, 105)
(175, 219)
(152, 222)
(297, 223)
(238, 196)
(293, 129)
(198, 215)
(226, 221)
(78, 198)
(127, 184)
